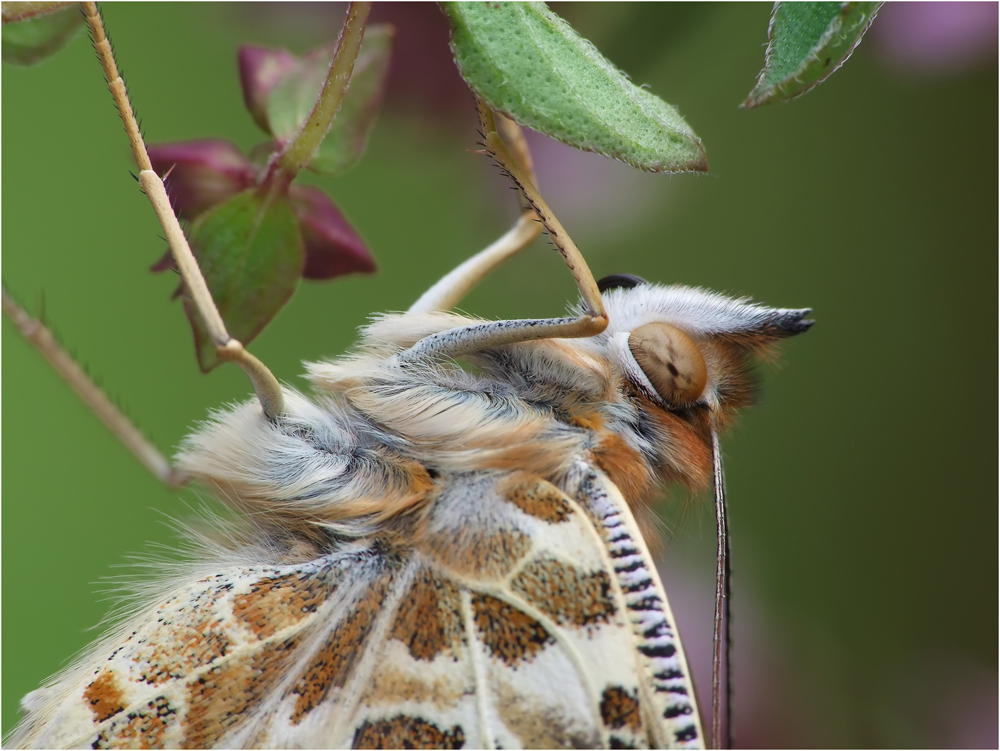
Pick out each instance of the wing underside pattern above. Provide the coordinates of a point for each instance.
(512, 616)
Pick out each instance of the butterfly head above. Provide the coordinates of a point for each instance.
(685, 357)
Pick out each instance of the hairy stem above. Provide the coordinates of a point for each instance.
(90, 394)
(264, 383)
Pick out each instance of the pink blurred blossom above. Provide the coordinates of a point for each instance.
(935, 37)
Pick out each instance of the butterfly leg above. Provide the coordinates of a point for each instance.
(591, 321)
(455, 285)
(39, 336)
(447, 292)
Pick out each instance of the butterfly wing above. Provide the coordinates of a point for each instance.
(189, 671)
(518, 618)
(508, 615)
(666, 687)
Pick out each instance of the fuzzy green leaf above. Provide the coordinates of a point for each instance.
(292, 99)
(806, 43)
(251, 252)
(29, 38)
(529, 64)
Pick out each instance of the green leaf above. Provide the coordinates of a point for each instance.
(806, 43)
(251, 252)
(36, 37)
(527, 63)
(292, 99)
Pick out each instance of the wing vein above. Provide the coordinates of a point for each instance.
(343, 721)
(557, 633)
(479, 671)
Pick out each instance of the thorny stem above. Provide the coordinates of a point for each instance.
(299, 150)
(264, 383)
(42, 340)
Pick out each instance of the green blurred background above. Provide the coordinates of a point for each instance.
(861, 489)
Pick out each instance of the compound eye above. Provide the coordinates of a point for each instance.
(671, 362)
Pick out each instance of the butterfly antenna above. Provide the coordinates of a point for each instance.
(722, 696)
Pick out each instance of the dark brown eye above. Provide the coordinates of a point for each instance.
(671, 362)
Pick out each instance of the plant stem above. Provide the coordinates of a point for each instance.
(102, 46)
(36, 333)
(265, 384)
(299, 150)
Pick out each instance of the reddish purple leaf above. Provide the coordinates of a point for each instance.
(201, 174)
(332, 246)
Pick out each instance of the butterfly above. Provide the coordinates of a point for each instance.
(440, 556)
(440, 545)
